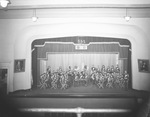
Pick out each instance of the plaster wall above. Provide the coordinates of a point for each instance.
(16, 36)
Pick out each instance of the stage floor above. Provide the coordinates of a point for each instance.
(84, 97)
(87, 92)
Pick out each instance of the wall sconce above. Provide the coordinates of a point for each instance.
(34, 17)
(4, 3)
(127, 18)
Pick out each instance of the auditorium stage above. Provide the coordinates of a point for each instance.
(80, 92)
(35, 100)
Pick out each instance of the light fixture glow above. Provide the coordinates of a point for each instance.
(127, 18)
(34, 17)
(4, 3)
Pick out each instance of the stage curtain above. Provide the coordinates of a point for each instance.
(70, 48)
(96, 55)
(65, 60)
(42, 66)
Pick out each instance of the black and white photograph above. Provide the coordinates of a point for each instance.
(74, 58)
(143, 65)
(19, 65)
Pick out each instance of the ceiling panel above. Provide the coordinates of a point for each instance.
(20, 9)
(58, 2)
(75, 13)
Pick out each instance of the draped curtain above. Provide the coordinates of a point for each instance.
(79, 59)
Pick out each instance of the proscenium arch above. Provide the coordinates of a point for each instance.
(38, 44)
(23, 43)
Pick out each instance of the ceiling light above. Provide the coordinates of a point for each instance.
(34, 17)
(127, 18)
(4, 3)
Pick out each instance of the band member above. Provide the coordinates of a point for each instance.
(69, 71)
(63, 81)
(101, 81)
(54, 78)
(93, 74)
(76, 76)
(112, 69)
(70, 76)
(43, 81)
(121, 81)
(109, 81)
(117, 70)
(103, 70)
(48, 72)
(126, 78)
(108, 70)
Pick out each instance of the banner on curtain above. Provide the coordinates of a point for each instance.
(81, 47)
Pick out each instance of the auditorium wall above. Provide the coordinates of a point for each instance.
(16, 36)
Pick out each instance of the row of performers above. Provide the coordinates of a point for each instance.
(102, 78)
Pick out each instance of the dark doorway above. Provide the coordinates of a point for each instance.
(3, 80)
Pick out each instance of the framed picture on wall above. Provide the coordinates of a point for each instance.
(19, 65)
(143, 65)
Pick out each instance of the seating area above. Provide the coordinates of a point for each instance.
(101, 77)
